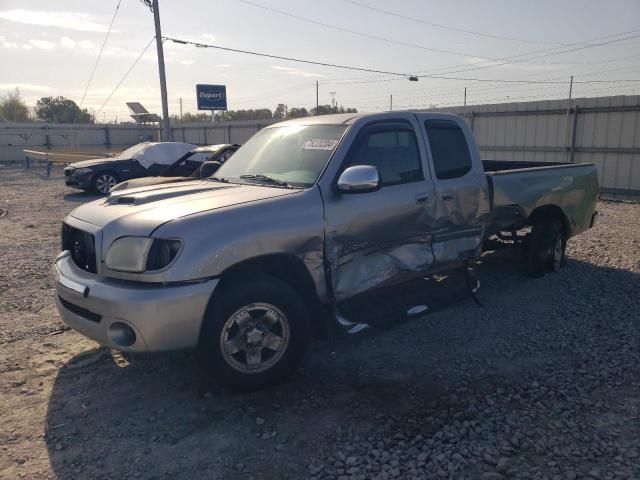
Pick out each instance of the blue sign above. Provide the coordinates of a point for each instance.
(211, 97)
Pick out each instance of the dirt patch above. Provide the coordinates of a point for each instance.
(540, 383)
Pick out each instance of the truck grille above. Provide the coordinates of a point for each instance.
(82, 247)
(81, 312)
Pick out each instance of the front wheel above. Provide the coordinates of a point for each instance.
(546, 248)
(103, 181)
(254, 334)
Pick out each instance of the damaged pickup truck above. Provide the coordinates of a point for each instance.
(248, 264)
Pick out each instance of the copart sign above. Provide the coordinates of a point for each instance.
(211, 97)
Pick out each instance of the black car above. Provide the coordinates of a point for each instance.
(142, 160)
(185, 168)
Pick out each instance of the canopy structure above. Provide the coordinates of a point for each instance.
(141, 115)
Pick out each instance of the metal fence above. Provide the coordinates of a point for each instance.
(604, 131)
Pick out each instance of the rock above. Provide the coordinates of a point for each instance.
(488, 459)
(502, 465)
(259, 421)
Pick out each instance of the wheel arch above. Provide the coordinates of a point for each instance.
(289, 269)
(550, 212)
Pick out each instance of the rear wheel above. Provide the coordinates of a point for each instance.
(254, 334)
(103, 181)
(546, 247)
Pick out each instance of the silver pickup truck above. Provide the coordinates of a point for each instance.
(246, 265)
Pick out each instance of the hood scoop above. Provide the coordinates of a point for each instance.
(151, 194)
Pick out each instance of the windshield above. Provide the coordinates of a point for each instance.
(131, 151)
(295, 154)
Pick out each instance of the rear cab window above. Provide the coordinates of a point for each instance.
(449, 149)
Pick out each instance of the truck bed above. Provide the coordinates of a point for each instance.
(519, 188)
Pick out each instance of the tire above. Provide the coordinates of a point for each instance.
(243, 310)
(546, 248)
(103, 181)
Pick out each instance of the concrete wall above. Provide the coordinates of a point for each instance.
(604, 131)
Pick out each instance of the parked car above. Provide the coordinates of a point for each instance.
(142, 160)
(187, 167)
(310, 213)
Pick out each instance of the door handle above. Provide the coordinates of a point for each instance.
(447, 195)
(422, 198)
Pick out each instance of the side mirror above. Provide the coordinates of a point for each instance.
(359, 179)
(208, 168)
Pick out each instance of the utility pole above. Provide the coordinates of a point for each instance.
(566, 126)
(180, 108)
(166, 126)
(317, 102)
(465, 96)
(333, 99)
(391, 102)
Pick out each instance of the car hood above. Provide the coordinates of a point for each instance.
(139, 211)
(93, 162)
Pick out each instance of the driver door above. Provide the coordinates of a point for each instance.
(381, 237)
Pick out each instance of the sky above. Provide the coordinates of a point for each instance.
(50, 48)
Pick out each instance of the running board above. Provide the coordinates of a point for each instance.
(349, 326)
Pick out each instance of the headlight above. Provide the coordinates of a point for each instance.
(139, 254)
(81, 171)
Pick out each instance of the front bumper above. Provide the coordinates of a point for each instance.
(162, 317)
(81, 183)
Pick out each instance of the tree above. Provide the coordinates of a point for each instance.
(191, 117)
(13, 108)
(62, 110)
(330, 109)
(295, 112)
(257, 114)
(280, 111)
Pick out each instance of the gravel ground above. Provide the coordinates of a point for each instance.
(541, 383)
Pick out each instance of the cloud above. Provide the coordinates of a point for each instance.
(42, 44)
(26, 87)
(208, 37)
(67, 42)
(67, 20)
(4, 43)
(223, 65)
(296, 71)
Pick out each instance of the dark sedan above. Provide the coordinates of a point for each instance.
(185, 168)
(142, 160)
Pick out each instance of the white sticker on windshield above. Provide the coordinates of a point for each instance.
(320, 144)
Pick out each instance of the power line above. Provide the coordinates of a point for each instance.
(363, 69)
(279, 57)
(362, 34)
(447, 27)
(126, 74)
(100, 53)
(375, 37)
(514, 59)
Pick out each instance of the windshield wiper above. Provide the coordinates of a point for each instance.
(265, 178)
(217, 179)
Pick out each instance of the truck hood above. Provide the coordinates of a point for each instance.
(147, 181)
(139, 211)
